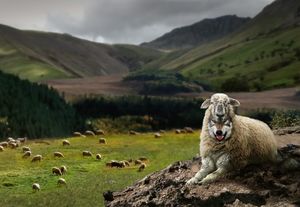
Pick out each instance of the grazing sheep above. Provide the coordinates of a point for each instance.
(63, 169)
(4, 144)
(178, 131)
(26, 154)
(142, 167)
(25, 149)
(22, 140)
(126, 162)
(13, 145)
(58, 154)
(98, 157)
(157, 135)
(37, 158)
(143, 158)
(1, 148)
(115, 163)
(65, 142)
(61, 182)
(89, 133)
(77, 134)
(188, 130)
(131, 132)
(36, 187)
(56, 171)
(229, 141)
(102, 141)
(138, 162)
(100, 132)
(10, 139)
(87, 154)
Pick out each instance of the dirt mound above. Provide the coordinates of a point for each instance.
(251, 186)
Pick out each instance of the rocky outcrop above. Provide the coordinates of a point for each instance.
(252, 186)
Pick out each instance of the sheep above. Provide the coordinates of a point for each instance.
(10, 139)
(100, 132)
(178, 131)
(65, 142)
(188, 130)
(102, 141)
(142, 167)
(143, 158)
(130, 160)
(98, 157)
(229, 141)
(22, 140)
(58, 154)
(126, 162)
(56, 171)
(89, 133)
(157, 135)
(26, 154)
(25, 149)
(4, 144)
(13, 145)
(131, 132)
(1, 148)
(77, 134)
(115, 163)
(87, 154)
(138, 162)
(162, 131)
(63, 169)
(61, 182)
(37, 158)
(36, 187)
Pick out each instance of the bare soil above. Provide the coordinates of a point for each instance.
(252, 186)
(113, 85)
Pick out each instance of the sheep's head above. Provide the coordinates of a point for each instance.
(220, 106)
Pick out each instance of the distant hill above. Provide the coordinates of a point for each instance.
(199, 33)
(263, 54)
(40, 55)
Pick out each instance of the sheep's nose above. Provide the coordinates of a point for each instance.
(220, 116)
(219, 132)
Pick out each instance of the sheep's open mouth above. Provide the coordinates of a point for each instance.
(220, 137)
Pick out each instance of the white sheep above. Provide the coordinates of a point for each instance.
(65, 142)
(4, 144)
(56, 171)
(1, 148)
(37, 158)
(26, 154)
(87, 154)
(98, 157)
(102, 141)
(58, 154)
(142, 167)
(100, 132)
(25, 149)
(229, 141)
(157, 135)
(63, 169)
(89, 133)
(36, 187)
(61, 182)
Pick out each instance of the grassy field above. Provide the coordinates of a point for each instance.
(87, 178)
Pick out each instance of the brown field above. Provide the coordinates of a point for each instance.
(113, 85)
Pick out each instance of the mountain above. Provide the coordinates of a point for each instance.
(40, 55)
(199, 33)
(262, 54)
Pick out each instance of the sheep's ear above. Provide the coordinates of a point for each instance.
(234, 102)
(205, 104)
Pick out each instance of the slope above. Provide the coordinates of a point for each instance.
(40, 55)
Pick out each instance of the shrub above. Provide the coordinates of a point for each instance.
(235, 84)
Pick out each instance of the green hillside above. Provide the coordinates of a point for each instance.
(38, 56)
(263, 54)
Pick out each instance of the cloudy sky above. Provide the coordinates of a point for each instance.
(118, 21)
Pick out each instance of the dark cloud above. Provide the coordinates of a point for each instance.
(131, 21)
